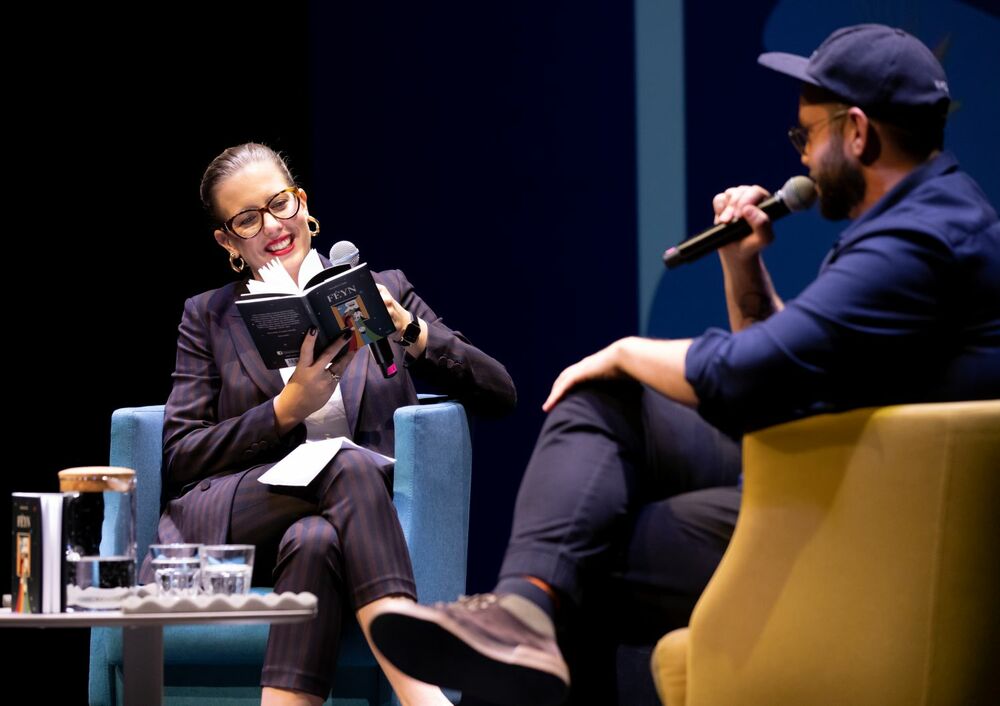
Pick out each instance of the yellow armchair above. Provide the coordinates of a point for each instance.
(864, 567)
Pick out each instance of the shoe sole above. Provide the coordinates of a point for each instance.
(428, 645)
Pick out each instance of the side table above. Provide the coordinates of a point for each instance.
(142, 637)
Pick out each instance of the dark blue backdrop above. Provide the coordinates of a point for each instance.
(489, 154)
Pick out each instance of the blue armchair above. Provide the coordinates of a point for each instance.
(208, 665)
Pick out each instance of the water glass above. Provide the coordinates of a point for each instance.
(177, 568)
(226, 569)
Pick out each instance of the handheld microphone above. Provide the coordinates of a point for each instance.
(344, 252)
(798, 194)
(344, 255)
(382, 353)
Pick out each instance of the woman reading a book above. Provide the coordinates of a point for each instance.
(229, 419)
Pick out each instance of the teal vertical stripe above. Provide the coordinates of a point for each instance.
(660, 154)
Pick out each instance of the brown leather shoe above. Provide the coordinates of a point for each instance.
(498, 648)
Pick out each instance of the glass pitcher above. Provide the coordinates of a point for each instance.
(99, 532)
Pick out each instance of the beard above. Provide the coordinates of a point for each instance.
(840, 182)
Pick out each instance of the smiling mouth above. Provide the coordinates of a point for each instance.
(281, 247)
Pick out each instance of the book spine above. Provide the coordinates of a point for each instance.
(26, 555)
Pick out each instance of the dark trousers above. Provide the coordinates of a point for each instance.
(628, 496)
(338, 538)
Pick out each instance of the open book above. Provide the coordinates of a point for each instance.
(333, 300)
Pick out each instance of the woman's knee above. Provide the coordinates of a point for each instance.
(312, 541)
(356, 477)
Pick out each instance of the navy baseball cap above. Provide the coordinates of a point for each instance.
(881, 69)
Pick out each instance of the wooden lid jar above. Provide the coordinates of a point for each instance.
(97, 479)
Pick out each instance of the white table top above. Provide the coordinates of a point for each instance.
(112, 618)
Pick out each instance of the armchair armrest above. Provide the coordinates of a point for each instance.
(137, 443)
(433, 504)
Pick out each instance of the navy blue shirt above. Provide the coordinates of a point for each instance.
(906, 308)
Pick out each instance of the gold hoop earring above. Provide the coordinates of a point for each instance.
(310, 221)
(233, 257)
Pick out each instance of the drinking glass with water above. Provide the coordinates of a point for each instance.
(226, 569)
(177, 568)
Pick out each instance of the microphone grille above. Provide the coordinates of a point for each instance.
(344, 252)
(799, 193)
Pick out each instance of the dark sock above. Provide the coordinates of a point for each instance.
(526, 589)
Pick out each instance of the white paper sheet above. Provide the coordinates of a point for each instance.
(306, 461)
